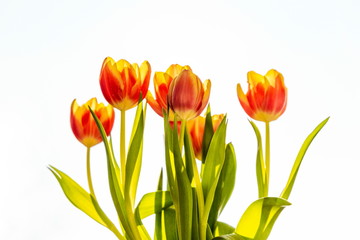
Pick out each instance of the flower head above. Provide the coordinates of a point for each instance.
(196, 129)
(266, 97)
(187, 95)
(83, 124)
(123, 83)
(162, 81)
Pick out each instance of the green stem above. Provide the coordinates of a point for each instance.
(122, 148)
(89, 172)
(267, 158)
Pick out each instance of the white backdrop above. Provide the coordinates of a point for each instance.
(51, 52)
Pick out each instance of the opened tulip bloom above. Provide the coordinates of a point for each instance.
(122, 83)
(187, 95)
(196, 129)
(162, 81)
(83, 125)
(266, 97)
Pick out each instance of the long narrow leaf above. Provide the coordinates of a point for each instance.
(83, 200)
(257, 220)
(225, 185)
(148, 204)
(77, 195)
(114, 184)
(260, 163)
(290, 183)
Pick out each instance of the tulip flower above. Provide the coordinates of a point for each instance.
(187, 95)
(266, 98)
(123, 83)
(85, 129)
(196, 129)
(83, 125)
(162, 81)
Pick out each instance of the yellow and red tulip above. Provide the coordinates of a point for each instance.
(187, 95)
(83, 125)
(266, 98)
(162, 81)
(196, 128)
(123, 83)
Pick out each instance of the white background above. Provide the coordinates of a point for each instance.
(51, 52)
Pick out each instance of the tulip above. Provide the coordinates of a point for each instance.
(196, 129)
(187, 95)
(162, 81)
(83, 125)
(122, 83)
(266, 98)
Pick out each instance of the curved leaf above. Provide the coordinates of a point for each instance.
(259, 217)
(83, 200)
(225, 185)
(149, 205)
(290, 183)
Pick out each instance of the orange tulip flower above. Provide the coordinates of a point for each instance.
(122, 83)
(162, 82)
(196, 128)
(83, 124)
(266, 98)
(187, 95)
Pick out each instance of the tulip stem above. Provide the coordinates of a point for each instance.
(267, 158)
(91, 188)
(122, 148)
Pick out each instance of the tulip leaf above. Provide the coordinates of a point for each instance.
(260, 164)
(225, 185)
(208, 134)
(134, 156)
(231, 236)
(290, 183)
(148, 204)
(215, 156)
(222, 228)
(83, 200)
(180, 187)
(114, 180)
(259, 217)
(169, 227)
(158, 201)
(212, 168)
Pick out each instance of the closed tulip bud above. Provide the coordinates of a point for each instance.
(83, 124)
(187, 95)
(162, 81)
(123, 83)
(266, 98)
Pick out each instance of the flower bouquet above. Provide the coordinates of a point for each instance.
(200, 164)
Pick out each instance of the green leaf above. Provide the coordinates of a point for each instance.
(83, 200)
(259, 218)
(222, 228)
(214, 158)
(231, 236)
(114, 179)
(225, 185)
(260, 163)
(180, 187)
(290, 183)
(158, 201)
(212, 168)
(149, 205)
(77, 195)
(134, 156)
(170, 231)
(208, 134)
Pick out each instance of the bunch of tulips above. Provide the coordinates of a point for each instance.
(200, 165)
